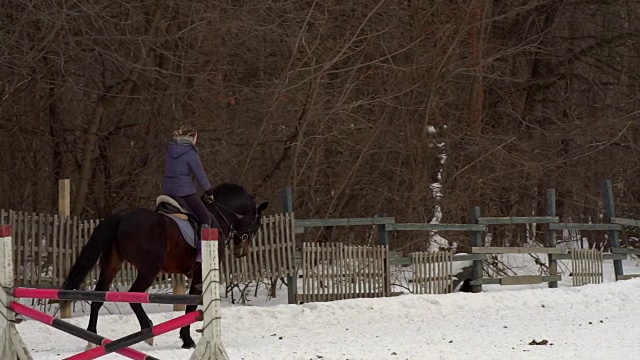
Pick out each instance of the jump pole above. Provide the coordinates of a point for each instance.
(75, 330)
(107, 296)
(139, 336)
(12, 347)
(210, 344)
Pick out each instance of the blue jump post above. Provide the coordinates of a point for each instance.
(476, 241)
(383, 239)
(614, 235)
(552, 242)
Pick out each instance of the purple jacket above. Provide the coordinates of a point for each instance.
(182, 165)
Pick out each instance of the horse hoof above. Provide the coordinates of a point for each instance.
(149, 341)
(189, 345)
(90, 346)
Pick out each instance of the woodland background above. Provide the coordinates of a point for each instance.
(359, 106)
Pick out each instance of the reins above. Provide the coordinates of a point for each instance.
(232, 231)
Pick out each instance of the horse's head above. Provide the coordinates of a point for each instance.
(238, 215)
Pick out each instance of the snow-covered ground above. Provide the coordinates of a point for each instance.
(589, 322)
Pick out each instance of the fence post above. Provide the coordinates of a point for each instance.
(64, 211)
(292, 280)
(383, 234)
(614, 236)
(476, 240)
(551, 236)
(179, 288)
(383, 239)
(64, 197)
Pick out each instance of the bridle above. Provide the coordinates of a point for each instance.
(232, 230)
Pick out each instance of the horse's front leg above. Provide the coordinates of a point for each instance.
(194, 289)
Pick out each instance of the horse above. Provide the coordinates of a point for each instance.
(153, 243)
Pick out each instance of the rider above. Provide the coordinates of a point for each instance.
(181, 166)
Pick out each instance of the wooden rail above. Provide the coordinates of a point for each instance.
(46, 245)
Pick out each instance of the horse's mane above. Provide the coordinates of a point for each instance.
(230, 192)
(229, 188)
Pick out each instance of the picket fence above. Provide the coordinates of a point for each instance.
(46, 245)
(335, 271)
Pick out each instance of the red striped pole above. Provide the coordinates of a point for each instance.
(5, 231)
(106, 296)
(75, 331)
(139, 336)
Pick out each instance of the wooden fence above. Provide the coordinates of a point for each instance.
(46, 245)
(587, 266)
(478, 226)
(334, 271)
(432, 272)
(271, 255)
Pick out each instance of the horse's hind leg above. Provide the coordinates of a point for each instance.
(110, 265)
(143, 281)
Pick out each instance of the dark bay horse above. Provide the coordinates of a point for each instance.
(153, 244)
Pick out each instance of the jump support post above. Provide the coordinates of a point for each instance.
(11, 344)
(209, 347)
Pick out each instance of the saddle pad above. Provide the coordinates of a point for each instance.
(185, 227)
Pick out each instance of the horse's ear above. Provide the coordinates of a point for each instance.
(263, 206)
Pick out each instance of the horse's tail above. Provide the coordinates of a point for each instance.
(101, 240)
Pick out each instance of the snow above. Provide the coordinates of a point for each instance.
(589, 322)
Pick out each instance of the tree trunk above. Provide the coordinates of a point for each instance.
(88, 154)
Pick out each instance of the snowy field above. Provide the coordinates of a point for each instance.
(517, 322)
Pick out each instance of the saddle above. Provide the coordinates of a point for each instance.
(169, 206)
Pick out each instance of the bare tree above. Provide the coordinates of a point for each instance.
(353, 105)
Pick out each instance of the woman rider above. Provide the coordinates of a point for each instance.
(183, 169)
